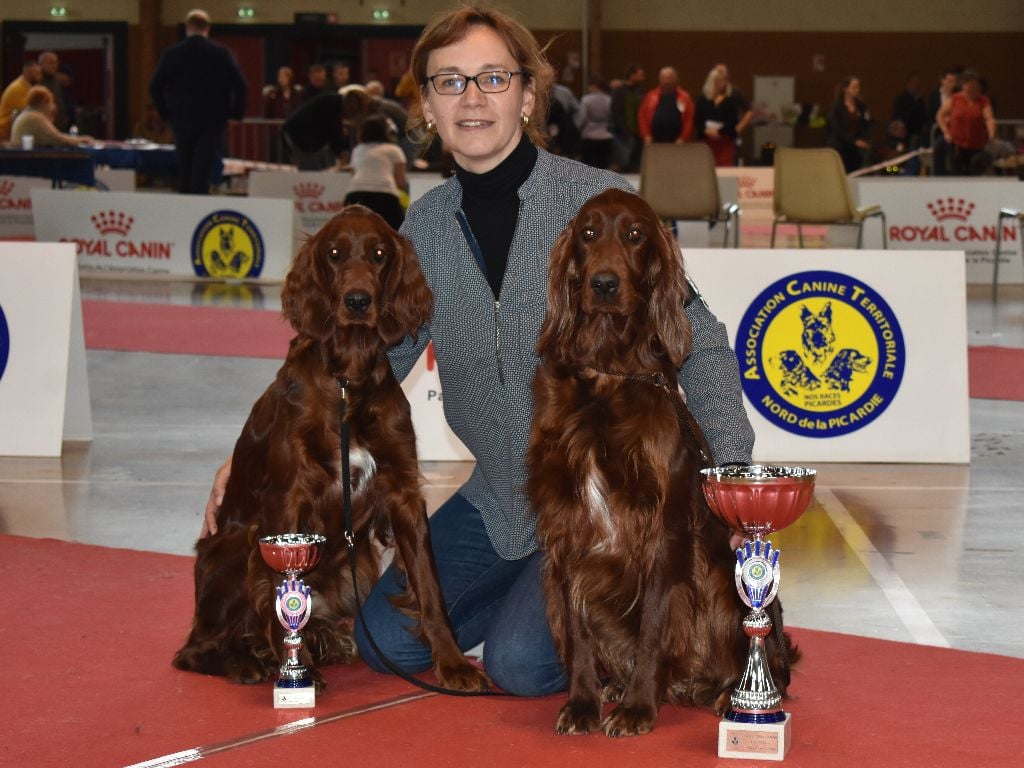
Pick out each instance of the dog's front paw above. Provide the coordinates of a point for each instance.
(630, 721)
(463, 677)
(578, 716)
(247, 670)
(612, 693)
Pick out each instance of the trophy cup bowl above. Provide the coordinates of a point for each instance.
(293, 554)
(757, 500)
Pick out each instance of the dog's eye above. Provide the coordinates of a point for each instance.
(635, 235)
(379, 255)
(588, 233)
(333, 253)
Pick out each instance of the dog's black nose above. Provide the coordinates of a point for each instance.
(604, 284)
(357, 301)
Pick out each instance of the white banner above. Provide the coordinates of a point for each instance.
(44, 388)
(316, 195)
(845, 356)
(949, 213)
(197, 236)
(435, 440)
(16, 206)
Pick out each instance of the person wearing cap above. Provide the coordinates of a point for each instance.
(196, 88)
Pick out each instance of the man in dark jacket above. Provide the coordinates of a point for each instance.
(197, 88)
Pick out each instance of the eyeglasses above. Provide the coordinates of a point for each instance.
(452, 83)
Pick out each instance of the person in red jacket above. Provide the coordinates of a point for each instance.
(666, 112)
(967, 123)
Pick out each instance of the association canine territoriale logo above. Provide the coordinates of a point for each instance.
(821, 354)
(113, 222)
(5, 343)
(951, 208)
(227, 244)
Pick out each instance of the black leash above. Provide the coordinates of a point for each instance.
(350, 544)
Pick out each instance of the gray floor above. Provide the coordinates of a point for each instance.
(917, 553)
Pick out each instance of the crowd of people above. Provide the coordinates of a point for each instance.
(605, 127)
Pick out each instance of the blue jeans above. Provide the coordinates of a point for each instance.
(490, 600)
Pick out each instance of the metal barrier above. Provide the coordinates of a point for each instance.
(258, 139)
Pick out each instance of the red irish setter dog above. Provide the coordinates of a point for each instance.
(354, 289)
(639, 574)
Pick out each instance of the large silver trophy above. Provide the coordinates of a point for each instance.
(757, 500)
(292, 555)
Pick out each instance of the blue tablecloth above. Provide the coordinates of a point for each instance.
(60, 166)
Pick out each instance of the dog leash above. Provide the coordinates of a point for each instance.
(350, 544)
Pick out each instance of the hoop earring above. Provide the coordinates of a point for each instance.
(525, 119)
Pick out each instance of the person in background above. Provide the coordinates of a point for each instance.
(968, 123)
(666, 113)
(909, 109)
(849, 125)
(378, 171)
(36, 121)
(197, 87)
(626, 99)
(941, 152)
(49, 62)
(316, 81)
(281, 98)
(396, 114)
(722, 115)
(341, 75)
(594, 122)
(15, 96)
(320, 132)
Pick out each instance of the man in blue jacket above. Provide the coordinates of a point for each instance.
(197, 88)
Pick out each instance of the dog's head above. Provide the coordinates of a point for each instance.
(818, 338)
(616, 287)
(356, 271)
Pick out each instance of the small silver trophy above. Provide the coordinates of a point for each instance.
(757, 500)
(293, 554)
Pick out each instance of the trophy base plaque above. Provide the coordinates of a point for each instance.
(754, 741)
(294, 698)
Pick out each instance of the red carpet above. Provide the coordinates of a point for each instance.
(185, 330)
(90, 632)
(996, 373)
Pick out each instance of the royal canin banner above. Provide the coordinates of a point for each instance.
(316, 195)
(16, 206)
(197, 236)
(952, 213)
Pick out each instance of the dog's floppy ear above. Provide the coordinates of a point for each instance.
(667, 308)
(407, 302)
(563, 281)
(305, 302)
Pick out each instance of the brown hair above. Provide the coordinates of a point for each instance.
(451, 27)
(38, 96)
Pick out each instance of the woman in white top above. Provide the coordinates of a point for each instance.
(378, 167)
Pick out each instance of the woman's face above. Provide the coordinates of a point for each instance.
(853, 89)
(480, 129)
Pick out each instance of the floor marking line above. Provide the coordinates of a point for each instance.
(907, 608)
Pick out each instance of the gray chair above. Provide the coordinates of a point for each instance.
(1005, 213)
(680, 184)
(811, 188)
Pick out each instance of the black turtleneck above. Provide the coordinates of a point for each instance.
(490, 201)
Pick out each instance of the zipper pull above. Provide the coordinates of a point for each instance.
(497, 340)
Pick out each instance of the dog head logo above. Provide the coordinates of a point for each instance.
(113, 223)
(227, 244)
(822, 354)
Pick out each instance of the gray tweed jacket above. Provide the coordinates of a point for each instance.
(485, 348)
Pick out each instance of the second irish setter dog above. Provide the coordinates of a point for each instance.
(638, 572)
(354, 289)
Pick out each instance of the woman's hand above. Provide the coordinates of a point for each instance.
(220, 483)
